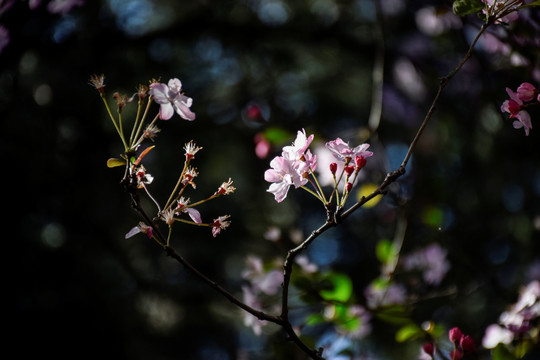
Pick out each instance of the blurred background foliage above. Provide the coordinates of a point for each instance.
(77, 288)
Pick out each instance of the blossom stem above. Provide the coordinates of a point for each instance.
(137, 134)
(171, 197)
(318, 187)
(118, 130)
(135, 124)
(311, 192)
(151, 197)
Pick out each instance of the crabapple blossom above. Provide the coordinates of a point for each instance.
(226, 188)
(220, 224)
(191, 149)
(506, 8)
(284, 173)
(513, 107)
(292, 167)
(299, 146)
(342, 151)
(171, 99)
(193, 213)
(142, 227)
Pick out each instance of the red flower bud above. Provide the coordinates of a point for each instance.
(333, 168)
(428, 348)
(348, 187)
(467, 344)
(349, 170)
(360, 162)
(455, 335)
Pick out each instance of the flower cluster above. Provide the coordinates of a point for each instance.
(296, 167)
(518, 321)
(517, 103)
(292, 168)
(462, 344)
(503, 11)
(171, 99)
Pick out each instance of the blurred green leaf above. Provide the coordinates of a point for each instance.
(396, 314)
(502, 353)
(315, 319)
(385, 251)
(276, 135)
(409, 332)
(338, 287)
(433, 216)
(466, 7)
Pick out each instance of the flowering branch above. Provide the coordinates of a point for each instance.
(296, 166)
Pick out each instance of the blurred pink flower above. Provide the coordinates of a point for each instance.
(61, 6)
(431, 260)
(513, 107)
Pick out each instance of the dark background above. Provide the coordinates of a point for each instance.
(77, 289)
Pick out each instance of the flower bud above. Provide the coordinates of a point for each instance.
(349, 170)
(348, 187)
(333, 168)
(526, 92)
(467, 344)
(455, 335)
(428, 348)
(360, 162)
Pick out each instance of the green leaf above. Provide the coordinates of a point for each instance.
(466, 7)
(534, 3)
(409, 332)
(338, 287)
(315, 319)
(113, 162)
(385, 251)
(502, 353)
(276, 135)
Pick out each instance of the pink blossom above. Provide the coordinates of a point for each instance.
(496, 334)
(142, 227)
(172, 99)
(431, 260)
(282, 175)
(291, 168)
(342, 151)
(513, 107)
(62, 6)
(299, 146)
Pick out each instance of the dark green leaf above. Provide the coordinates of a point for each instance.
(466, 7)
